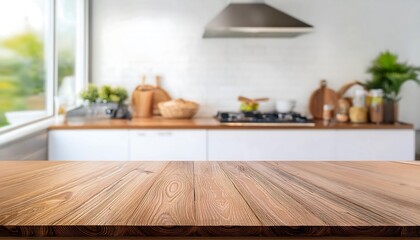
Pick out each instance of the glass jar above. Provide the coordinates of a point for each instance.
(376, 108)
(328, 114)
(359, 99)
(343, 110)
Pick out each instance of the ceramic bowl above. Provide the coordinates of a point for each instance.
(285, 106)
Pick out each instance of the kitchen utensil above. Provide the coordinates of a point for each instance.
(261, 99)
(178, 109)
(322, 96)
(249, 105)
(245, 99)
(143, 104)
(285, 106)
(159, 94)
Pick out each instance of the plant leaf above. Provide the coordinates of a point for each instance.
(390, 75)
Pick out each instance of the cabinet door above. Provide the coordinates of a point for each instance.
(375, 145)
(168, 145)
(271, 145)
(88, 145)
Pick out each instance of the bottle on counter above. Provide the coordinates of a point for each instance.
(60, 114)
(376, 108)
(359, 112)
(328, 113)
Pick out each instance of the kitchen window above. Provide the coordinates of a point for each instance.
(43, 49)
(71, 45)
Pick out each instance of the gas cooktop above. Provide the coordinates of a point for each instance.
(264, 119)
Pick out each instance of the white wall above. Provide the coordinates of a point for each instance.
(134, 37)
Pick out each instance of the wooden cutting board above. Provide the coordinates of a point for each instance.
(159, 94)
(320, 97)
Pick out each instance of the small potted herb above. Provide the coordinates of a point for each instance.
(115, 98)
(390, 75)
(116, 95)
(90, 98)
(105, 102)
(91, 94)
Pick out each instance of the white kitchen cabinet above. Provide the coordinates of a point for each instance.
(232, 145)
(168, 145)
(270, 145)
(310, 145)
(374, 145)
(88, 145)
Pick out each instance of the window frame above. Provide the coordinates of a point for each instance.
(51, 63)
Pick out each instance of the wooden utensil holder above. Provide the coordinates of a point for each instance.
(143, 104)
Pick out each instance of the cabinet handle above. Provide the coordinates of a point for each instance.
(165, 134)
(141, 134)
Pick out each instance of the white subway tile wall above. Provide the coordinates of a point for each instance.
(164, 37)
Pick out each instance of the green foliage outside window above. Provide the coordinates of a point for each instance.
(22, 73)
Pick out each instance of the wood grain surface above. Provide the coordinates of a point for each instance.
(208, 123)
(170, 200)
(207, 238)
(218, 202)
(209, 199)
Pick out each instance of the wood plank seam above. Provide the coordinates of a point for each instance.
(168, 195)
(72, 184)
(362, 189)
(218, 203)
(371, 211)
(213, 199)
(121, 179)
(328, 192)
(244, 198)
(147, 191)
(99, 192)
(377, 192)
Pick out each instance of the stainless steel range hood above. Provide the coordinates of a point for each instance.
(254, 20)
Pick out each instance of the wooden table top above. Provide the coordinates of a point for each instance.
(208, 123)
(209, 199)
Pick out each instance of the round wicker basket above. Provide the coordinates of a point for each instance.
(178, 109)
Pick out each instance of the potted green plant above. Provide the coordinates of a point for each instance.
(104, 102)
(115, 99)
(390, 75)
(91, 94)
(116, 95)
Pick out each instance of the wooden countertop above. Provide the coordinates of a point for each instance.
(274, 199)
(206, 123)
